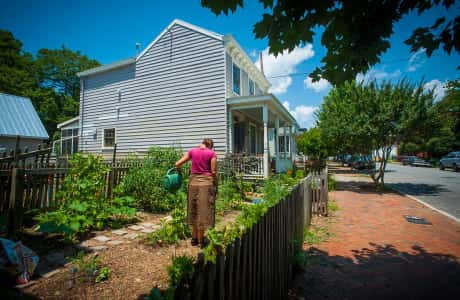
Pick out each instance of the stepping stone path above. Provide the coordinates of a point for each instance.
(52, 263)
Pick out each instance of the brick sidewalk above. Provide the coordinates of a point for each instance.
(374, 253)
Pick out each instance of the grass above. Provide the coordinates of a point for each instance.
(315, 234)
(332, 206)
(331, 183)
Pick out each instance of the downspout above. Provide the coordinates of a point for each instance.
(82, 102)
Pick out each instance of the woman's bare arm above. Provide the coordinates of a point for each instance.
(214, 166)
(183, 160)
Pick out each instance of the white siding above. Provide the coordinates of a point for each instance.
(173, 96)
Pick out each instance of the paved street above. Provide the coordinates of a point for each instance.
(440, 189)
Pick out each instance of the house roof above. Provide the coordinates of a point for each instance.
(104, 68)
(19, 117)
(70, 121)
(230, 43)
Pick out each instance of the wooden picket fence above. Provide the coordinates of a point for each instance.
(260, 264)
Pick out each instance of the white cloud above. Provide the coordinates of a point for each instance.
(253, 53)
(377, 74)
(438, 88)
(304, 114)
(317, 86)
(283, 64)
(416, 60)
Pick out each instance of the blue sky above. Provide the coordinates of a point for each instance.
(109, 30)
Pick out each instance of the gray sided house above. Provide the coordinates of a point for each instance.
(19, 118)
(189, 83)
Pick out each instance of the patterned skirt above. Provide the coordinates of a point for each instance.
(201, 201)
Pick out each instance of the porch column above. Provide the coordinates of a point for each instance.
(276, 142)
(291, 142)
(230, 131)
(266, 153)
(285, 144)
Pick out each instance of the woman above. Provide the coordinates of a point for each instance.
(201, 189)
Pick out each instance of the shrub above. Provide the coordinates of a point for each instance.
(171, 232)
(145, 184)
(88, 269)
(84, 205)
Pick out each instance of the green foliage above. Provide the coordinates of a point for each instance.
(88, 268)
(274, 190)
(103, 275)
(352, 45)
(181, 268)
(359, 118)
(145, 183)
(172, 231)
(50, 80)
(83, 203)
(316, 234)
(311, 143)
(332, 206)
(331, 183)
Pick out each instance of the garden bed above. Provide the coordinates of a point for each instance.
(135, 267)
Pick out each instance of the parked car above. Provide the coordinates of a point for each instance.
(415, 162)
(451, 160)
(362, 162)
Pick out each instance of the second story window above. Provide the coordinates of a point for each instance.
(236, 79)
(251, 87)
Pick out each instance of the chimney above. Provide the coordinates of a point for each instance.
(138, 47)
(261, 63)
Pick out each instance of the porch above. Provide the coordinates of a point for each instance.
(260, 135)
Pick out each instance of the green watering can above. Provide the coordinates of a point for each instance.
(172, 180)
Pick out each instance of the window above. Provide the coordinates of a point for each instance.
(109, 137)
(282, 140)
(236, 79)
(69, 141)
(251, 87)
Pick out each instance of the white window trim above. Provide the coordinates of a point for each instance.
(103, 140)
(288, 145)
(233, 67)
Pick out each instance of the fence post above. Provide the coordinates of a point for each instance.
(15, 209)
(112, 172)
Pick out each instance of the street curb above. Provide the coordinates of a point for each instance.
(425, 204)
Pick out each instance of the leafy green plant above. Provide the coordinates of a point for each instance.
(83, 202)
(88, 269)
(144, 182)
(171, 232)
(332, 206)
(104, 274)
(181, 268)
(274, 190)
(331, 183)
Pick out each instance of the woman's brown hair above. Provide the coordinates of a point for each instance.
(208, 143)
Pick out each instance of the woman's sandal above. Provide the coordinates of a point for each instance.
(195, 242)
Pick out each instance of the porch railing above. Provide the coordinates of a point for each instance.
(250, 166)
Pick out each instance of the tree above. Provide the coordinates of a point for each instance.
(310, 143)
(16, 67)
(374, 117)
(356, 33)
(58, 68)
(50, 80)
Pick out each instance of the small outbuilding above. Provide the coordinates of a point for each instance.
(18, 117)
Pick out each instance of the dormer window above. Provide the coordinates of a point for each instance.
(236, 79)
(251, 87)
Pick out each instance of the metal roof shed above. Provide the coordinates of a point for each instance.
(18, 117)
